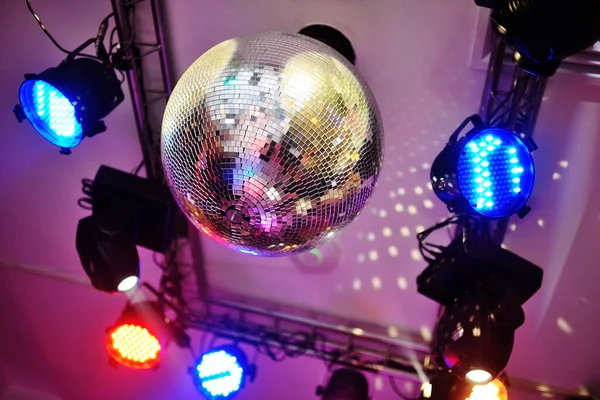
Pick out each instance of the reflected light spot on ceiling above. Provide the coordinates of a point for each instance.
(371, 237)
(360, 258)
(393, 251)
(373, 256)
(412, 170)
(419, 228)
(356, 284)
(540, 223)
(564, 326)
(387, 231)
(399, 207)
(512, 227)
(584, 300)
(392, 332)
(392, 195)
(412, 209)
(427, 203)
(357, 331)
(426, 333)
(404, 231)
(415, 255)
(429, 186)
(556, 176)
(418, 190)
(378, 383)
(401, 191)
(399, 174)
(563, 163)
(382, 213)
(402, 283)
(376, 282)
(425, 165)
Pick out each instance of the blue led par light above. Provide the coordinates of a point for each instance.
(65, 104)
(488, 172)
(220, 373)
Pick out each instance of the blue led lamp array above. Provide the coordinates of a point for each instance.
(495, 173)
(220, 373)
(51, 113)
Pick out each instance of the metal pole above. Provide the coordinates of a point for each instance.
(121, 15)
(158, 20)
(492, 79)
(421, 348)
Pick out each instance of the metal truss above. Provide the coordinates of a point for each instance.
(149, 77)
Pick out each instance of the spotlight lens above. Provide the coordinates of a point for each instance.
(220, 374)
(478, 376)
(494, 390)
(133, 346)
(51, 113)
(504, 172)
(128, 283)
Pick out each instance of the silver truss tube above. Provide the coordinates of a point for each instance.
(160, 37)
(492, 79)
(146, 110)
(315, 324)
(119, 8)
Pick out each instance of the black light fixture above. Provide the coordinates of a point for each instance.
(66, 104)
(108, 256)
(482, 288)
(487, 172)
(544, 32)
(127, 210)
(345, 384)
(475, 334)
(221, 372)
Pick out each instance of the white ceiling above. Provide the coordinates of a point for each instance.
(415, 55)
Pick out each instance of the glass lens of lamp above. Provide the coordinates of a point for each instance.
(495, 390)
(51, 113)
(128, 283)
(220, 374)
(478, 376)
(133, 346)
(496, 173)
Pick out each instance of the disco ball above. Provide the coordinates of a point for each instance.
(271, 143)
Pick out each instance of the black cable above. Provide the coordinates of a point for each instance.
(513, 106)
(430, 251)
(397, 390)
(40, 23)
(137, 169)
(45, 30)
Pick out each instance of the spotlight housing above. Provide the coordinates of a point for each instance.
(487, 172)
(475, 334)
(137, 338)
(127, 210)
(108, 256)
(346, 384)
(544, 32)
(221, 372)
(65, 104)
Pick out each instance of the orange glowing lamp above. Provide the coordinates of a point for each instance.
(136, 340)
(495, 390)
